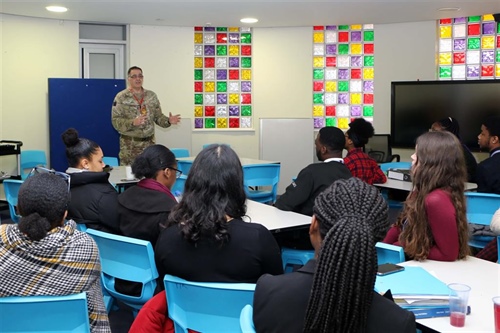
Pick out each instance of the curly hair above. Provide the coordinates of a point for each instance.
(360, 131)
(352, 217)
(451, 125)
(213, 192)
(440, 165)
(78, 148)
(153, 159)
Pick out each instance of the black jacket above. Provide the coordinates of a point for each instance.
(470, 163)
(488, 174)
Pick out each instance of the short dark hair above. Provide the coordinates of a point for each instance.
(451, 125)
(492, 124)
(153, 159)
(132, 68)
(213, 191)
(332, 138)
(360, 131)
(77, 148)
(42, 201)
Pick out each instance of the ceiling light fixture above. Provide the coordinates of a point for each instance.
(56, 9)
(449, 9)
(249, 20)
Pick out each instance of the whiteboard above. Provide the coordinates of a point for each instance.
(290, 141)
(175, 136)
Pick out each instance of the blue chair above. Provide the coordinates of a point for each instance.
(259, 175)
(291, 257)
(184, 166)
(111, 161)
(178, 187)
(389, 254)
(127, 259)
(246, 319)
(206, 307)
(180, 152)
(480, 210)
(498, 246)
(81, 226)
(394, 165)
(209, 144)
(44, 313)
(11, 189)
(31, 159)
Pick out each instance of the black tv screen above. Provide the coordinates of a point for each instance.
(416, 105)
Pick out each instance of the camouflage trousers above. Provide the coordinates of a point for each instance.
(131, 147)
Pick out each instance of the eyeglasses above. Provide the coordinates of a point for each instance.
(178, 172)
(39, 170)
(135, 76)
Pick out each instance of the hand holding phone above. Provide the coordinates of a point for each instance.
(386, 269)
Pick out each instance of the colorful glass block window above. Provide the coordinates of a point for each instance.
(222, 78)
(343, 73)
(469, 48)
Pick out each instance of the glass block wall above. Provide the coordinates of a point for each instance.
(222, 78)
(469, 48)
(343, 73)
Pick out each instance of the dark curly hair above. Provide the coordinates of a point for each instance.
(77, 148)
(153, 159)
(360, 131)
(451, 125)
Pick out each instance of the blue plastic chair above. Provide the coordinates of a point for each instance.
(480, 210)
(209, 144)
(394, 165)
(206, 307)
(389, 254)
(180, 152)
(246, 319)
(259, 175)
(291, 257)
(11, 189)
(127, 259)
(31, 159)
(184, 166)
(178, 187)
(44, 314)
(111, 161)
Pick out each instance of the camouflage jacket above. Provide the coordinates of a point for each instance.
(126, 108)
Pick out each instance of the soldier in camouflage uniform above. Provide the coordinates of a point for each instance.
(134, 114)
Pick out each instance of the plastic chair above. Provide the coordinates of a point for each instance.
(31, 159)
(206, 307)
(394, 165)
(480, 210)
(291, 257)
(209, 144)
(81, 226)
(180, 152)
(389, 254)
(178, 187)
(379, 148)
(256, 175)
(44, 313)
(11, 189)
(111, 161)
(127, 259)
(246, 319)
(184, 166)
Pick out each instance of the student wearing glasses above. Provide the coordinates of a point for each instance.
(94, 201)
(146, 206)
(134, 115)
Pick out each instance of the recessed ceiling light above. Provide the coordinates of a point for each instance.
(249, 20)
(56, 9)
(449, 9)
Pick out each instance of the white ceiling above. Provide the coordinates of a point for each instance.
(277, 13)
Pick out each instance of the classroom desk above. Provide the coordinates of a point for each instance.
(243, 160)
(407, 186)
(117, 177)
(484, 279)
(274, 219)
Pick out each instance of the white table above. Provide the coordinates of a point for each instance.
(408, 186)
(484, 279)
(117, 176)
(243, 160)
(274, 219)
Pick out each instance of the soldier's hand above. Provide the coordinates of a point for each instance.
(174, 119)
(139, 121)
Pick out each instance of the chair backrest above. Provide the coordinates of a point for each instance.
(206, 307)
(262, 175)
(44, 313)
(11, 189)
(180, 152)
(389, 254)
(395, 165)
(481, 207)
(184, 166)
(178, 187)
(129, 259)
(214, 143)
(380, 143)
(111, 161)
(246, 319)
(31, 159)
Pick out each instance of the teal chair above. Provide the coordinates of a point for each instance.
(11, 189)
(206, 307)
(111, 161)
(184, 166)
(44, 314)
(180, 152)
(394, 165)
(209, 144)
(480, 210)
(178, 187)
(261, 175)
(389, 254)
(128, 259)
(246, 319)
(31, 159)
(293, 257)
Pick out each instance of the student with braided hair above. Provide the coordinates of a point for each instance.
(334, 291)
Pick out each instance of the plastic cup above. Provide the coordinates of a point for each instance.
(459, 297)
(496, 309)
(128, 173)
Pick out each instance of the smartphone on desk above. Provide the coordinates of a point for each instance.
(386, 269)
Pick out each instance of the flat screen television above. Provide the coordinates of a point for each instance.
(416, 105)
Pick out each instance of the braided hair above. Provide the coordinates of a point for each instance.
(352, 217)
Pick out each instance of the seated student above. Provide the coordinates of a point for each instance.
(357, 161)
(487, 175)
(145, 207)
(313, 179)
(433, 224)
(334, 291)
(44, 255)
(450, 124)
(94, 200)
